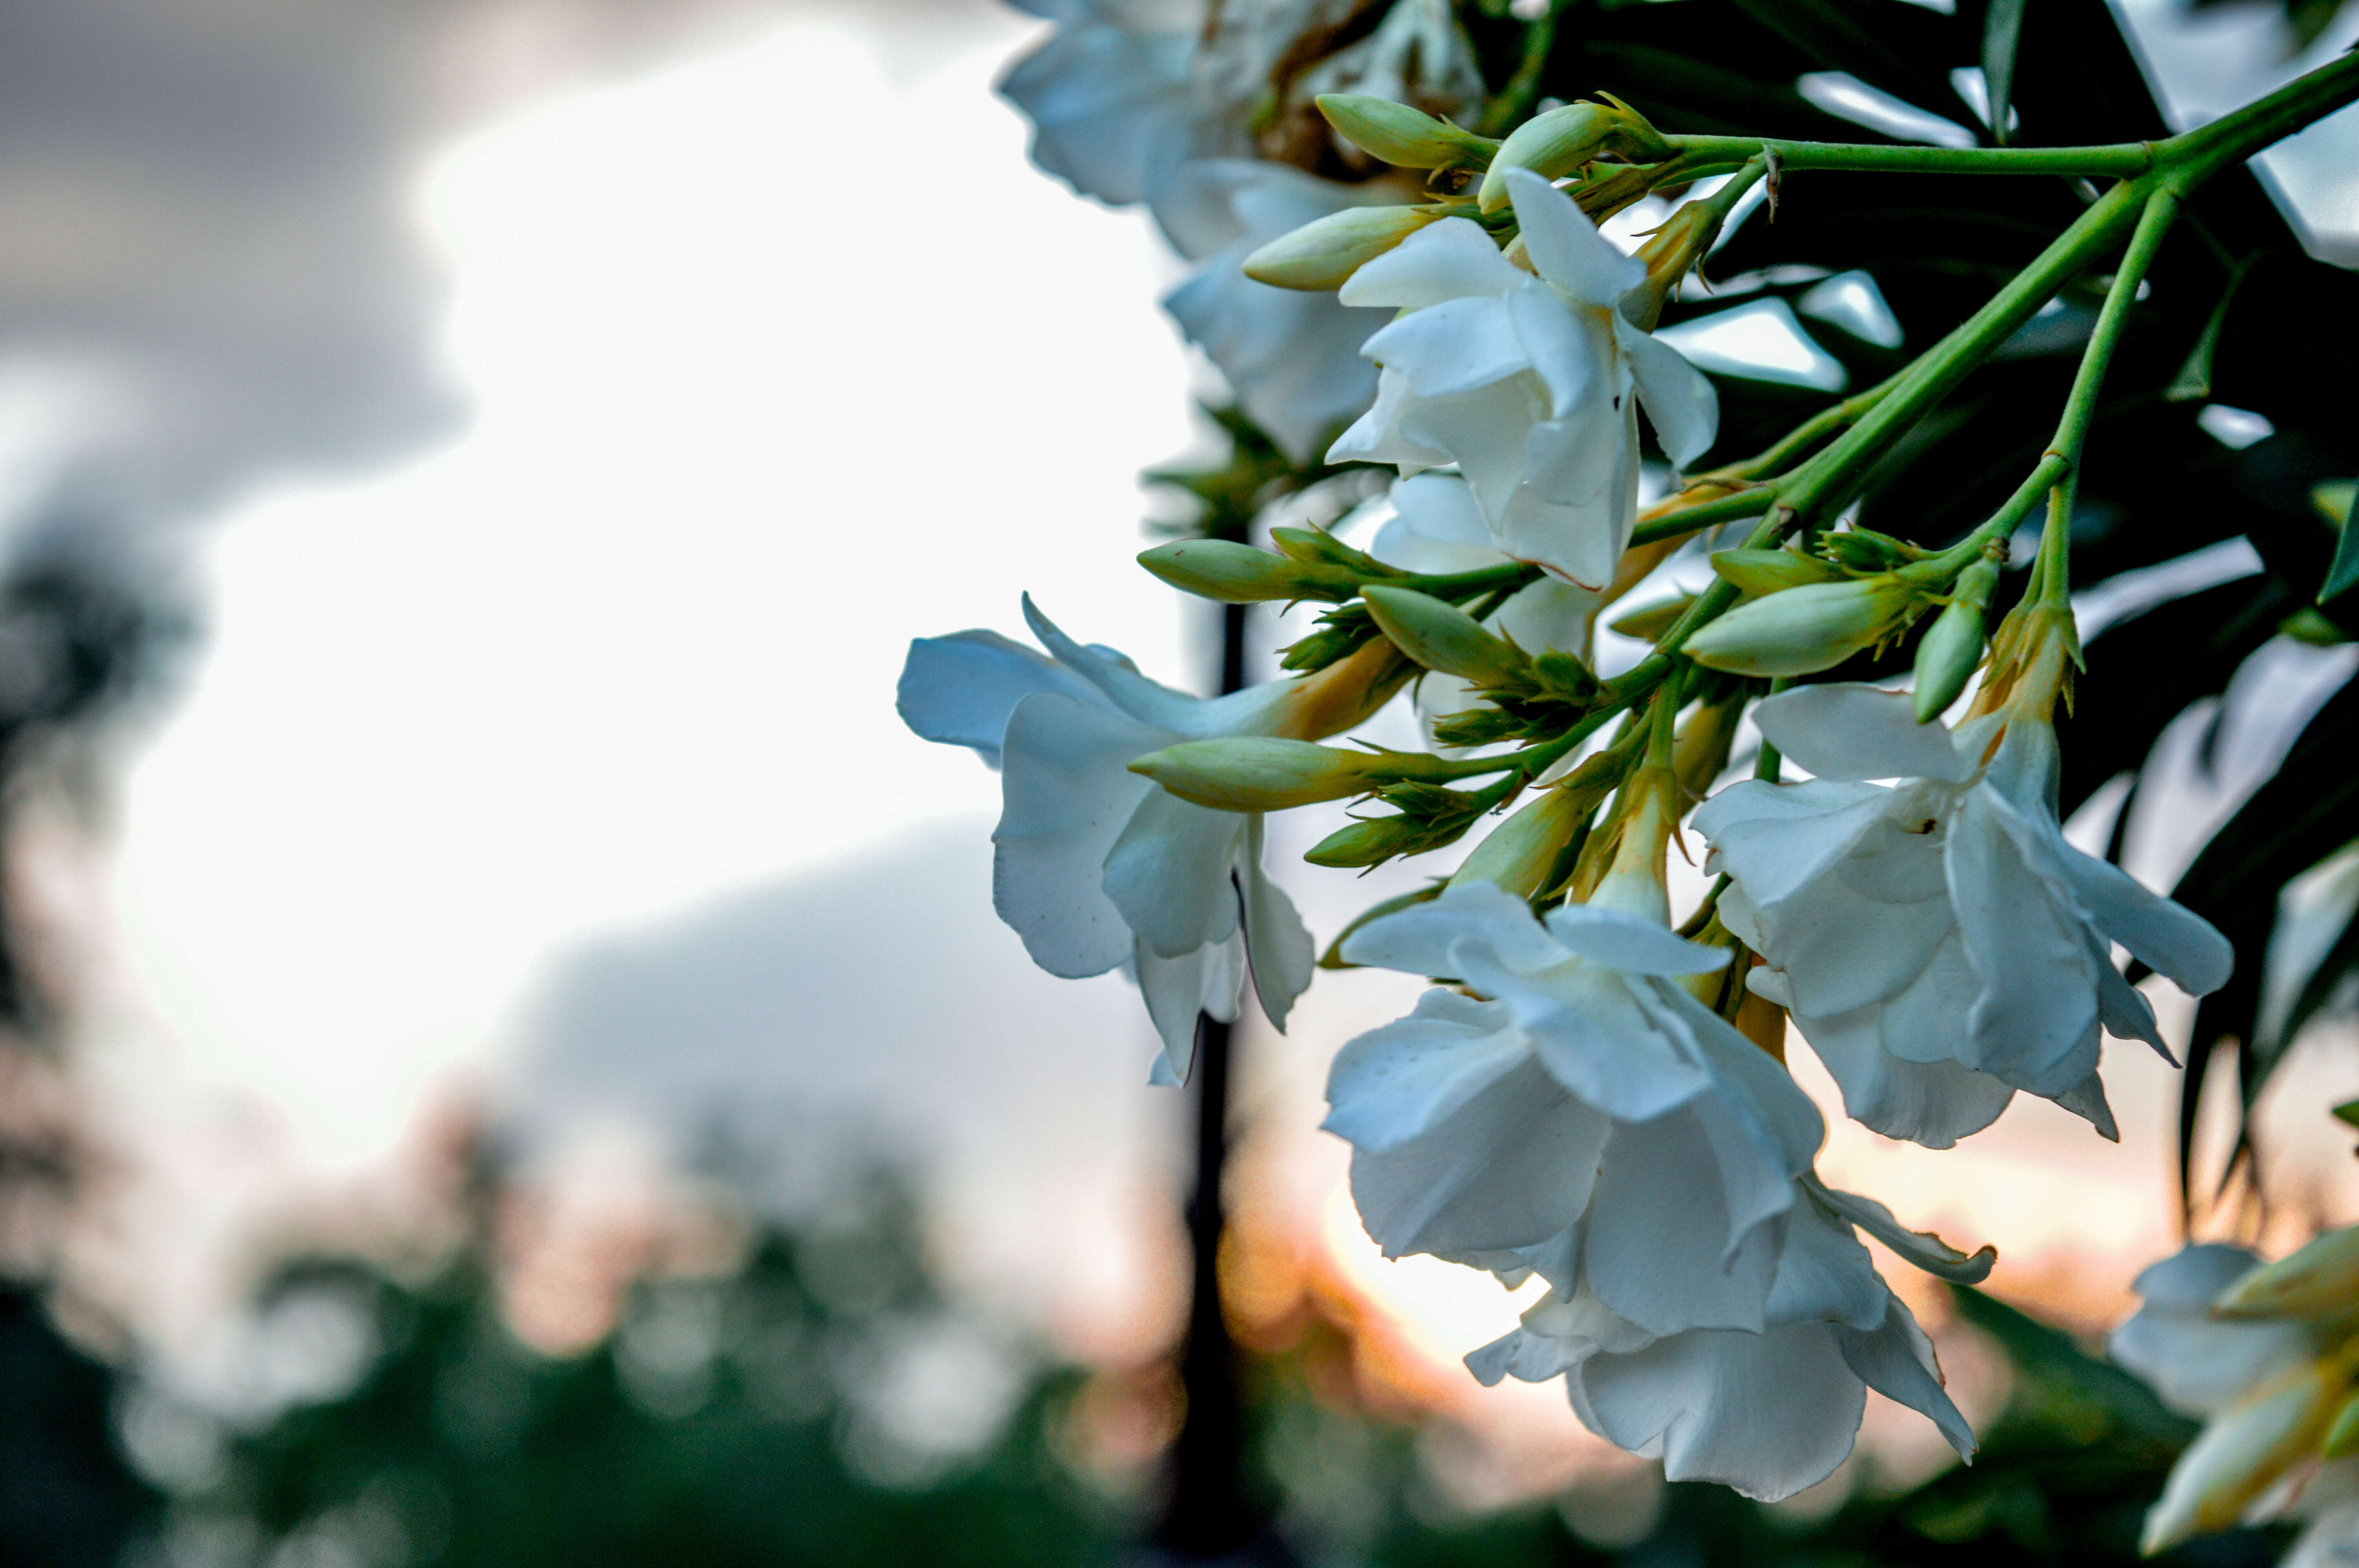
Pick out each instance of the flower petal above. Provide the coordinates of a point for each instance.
(1678, 398)
(961, 688)
(1441, 508)
(1850, 730)
(1896, 1359)
(1067, 794)
(2165, 935)
(1824, 1275)
(1594, 1038)
(1277, 943)
(1930, 1103)
(1376, 436)
(1572, 356)
(1171, 873)
(1663, 1249)
(1511, 1169)
(1145, 700)
(2035, 1024)
(1175, 991)
(1922, 1247)
(1773, 838)
(1453, 259)
(1404, 1079)
(1458, 346)
(1565, 247)
(1768, 1415)
(1625, 942)
(1426, 938)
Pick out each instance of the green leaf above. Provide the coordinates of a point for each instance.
(2001, 31)
(2332, 499)
(2193, 382)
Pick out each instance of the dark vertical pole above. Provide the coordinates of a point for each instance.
(1211, 1517)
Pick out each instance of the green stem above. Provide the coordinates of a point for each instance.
(2154, 223)
(2121, 159)
(1812, 431)
(1515, 100)
(1750, 502)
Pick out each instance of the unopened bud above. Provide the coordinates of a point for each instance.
(1256, 773)
(2319, 1282)
(1231, 573)
(2240, 1454)
(1403, 136)
(1756, 572)
(1804, 629)
(1522, 852)
(1427, 817)
(1865, 550)
(1445, 638)
(1953, 649)
(1325, 253)
(1566, 137)
(1650, 621)
(1670, 253)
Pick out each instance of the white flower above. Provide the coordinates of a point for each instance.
(1095, 866)
(1938, 941)
(1587, 1096)
(1768, 1413)
(1291, 357)
(2198, 1364)
(1112, 97)
(1527, 384)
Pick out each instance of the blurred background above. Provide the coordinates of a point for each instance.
(508, 1057)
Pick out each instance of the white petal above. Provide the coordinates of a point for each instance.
(1930, 1019)
(1931, 1103)
(1175, 991)
(1556, 1335)
(1482, 432)
(1662, 1250)
(2035, 1022)
(1401, 1080)
(1896, 1359)
(1848, 730)
(2125, 1014)
(2194, 1276)
(1565, 247)
(1438, 507)
(2164, 936)
(1376, 436)
(1573, 356)
(1773, 838)
(1456, 347)
(1277, 942)
(1067, 793)
(1426, 938)
(1824, 1275)
(2086, 1099)
(1922, 1247)
(1549, 614)
(1453, 259)
(1114, 674)
(961, 688)
(1678, 398)
(1575, 511)
(1170, 873)
(1596, 1040)
(1625, 942)
(1755, 1082)
(1511, 1169)
(1768, 1415)
(1292, 358)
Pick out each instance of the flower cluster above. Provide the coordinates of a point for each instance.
(1594, 1091)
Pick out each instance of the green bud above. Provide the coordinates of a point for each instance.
(1564, 138)
(1443, 637)
(1521, 851)
(1403, 136)
(1259, 773)
(1325, 253)
(1953, 649)
(1757, 572)
(1802, 630)
(1231, 573)
(1650, 621)
(1429, 818)
(1317, 545)
(2342, 1439)
(1865, 550)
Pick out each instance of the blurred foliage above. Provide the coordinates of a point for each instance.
(68, 1498)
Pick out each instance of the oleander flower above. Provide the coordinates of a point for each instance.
(1572, 1087)
(1291, 357)
(1939, 942)
(1768, 1412)
(1436, 527)
(2265, 1354)
(1529, 384)
(1095, 867)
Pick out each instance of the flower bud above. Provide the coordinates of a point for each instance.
(2319, 1282)
(1445, 638)
(1670, 253)
(1650, 621)
(1403, 136)
(1952, 650)
(1232, 573)
(1802, 630)
(1865, 550)
(1521, 852)
(1566, 137)
(1325, 253)
(1260, 772)
(2238, 1456)
(1756, 572)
